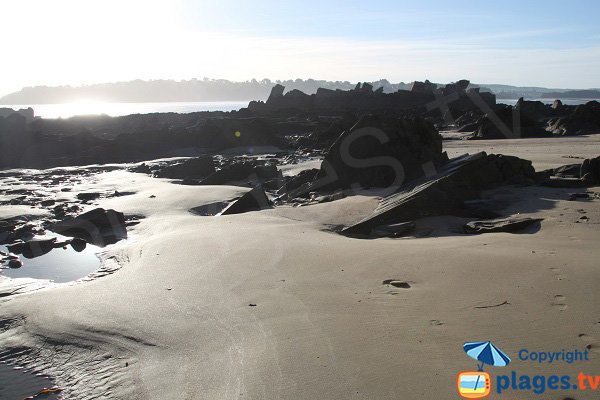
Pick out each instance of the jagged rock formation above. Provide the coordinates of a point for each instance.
(445, 192)
(585, 119)
(25, 112)
(380, 152)
(286, 120)
(423, 95)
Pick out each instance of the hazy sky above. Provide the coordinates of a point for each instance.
(543, 43)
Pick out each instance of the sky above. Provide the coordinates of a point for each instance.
(73, 42)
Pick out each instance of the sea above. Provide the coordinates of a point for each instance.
(67, 110)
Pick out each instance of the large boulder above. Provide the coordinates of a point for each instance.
(584, 120)
(99, 226)
(381, 152)
(590, 170)
(194, 168)
(573, 175)
(445, 192)
(242, 171)
(509, 123)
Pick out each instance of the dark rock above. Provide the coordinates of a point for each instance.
(573, 175)
(500, 225)
(397, 283)
(558, 182)
(379, 152)
(78, 244)
(533, 110)
(423, 87)
(276, 92)
(577, 196)
(211, 209)
(509, 123)
(16, 247)
(568, 171)
(6, 226)
(298, 182)
(99, 226)
(193, 168)
(15, 264)
(142, 169)
(445, 192)
(88, 196)
(241, 171)
(367, 88)
(468, 121)
(33, 248)
(584, 120)
(254, 200)
(590, 170)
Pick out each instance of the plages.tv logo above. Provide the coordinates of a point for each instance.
(478, 384)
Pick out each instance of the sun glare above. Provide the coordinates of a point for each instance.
(84, 107)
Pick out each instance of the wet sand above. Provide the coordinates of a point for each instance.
(273, 305)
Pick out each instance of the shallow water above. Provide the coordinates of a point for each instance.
(20, 384)
(59, 265)
(67, 110)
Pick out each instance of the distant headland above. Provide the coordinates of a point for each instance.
(140, 91)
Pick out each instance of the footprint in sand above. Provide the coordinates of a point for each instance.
(591, 342)
(557, 272)
(560, 302)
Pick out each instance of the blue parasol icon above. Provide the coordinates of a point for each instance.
(487, 353)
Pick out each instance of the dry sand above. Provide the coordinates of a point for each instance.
(271, 305)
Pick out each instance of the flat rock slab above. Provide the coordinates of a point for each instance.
(209, 210)
(500, 225)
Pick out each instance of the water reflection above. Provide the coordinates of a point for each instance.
(52, 257)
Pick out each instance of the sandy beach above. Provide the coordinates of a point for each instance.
(274, 305)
